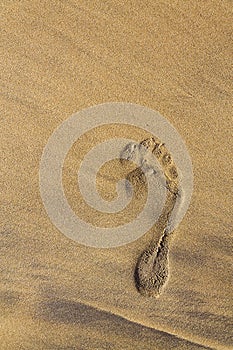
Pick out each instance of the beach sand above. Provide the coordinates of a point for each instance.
(59, 57)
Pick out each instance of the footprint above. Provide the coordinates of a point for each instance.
(152, 268)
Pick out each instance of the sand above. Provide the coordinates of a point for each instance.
(57, 58)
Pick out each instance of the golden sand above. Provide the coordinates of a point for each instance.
(59, 57)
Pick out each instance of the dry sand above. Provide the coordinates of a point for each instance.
(57, 58)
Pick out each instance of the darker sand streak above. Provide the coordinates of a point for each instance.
(54, 307)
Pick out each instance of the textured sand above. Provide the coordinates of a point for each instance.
(58, 57)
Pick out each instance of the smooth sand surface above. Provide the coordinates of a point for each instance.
(58, 57)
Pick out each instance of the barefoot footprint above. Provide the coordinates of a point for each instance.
(151, 272)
